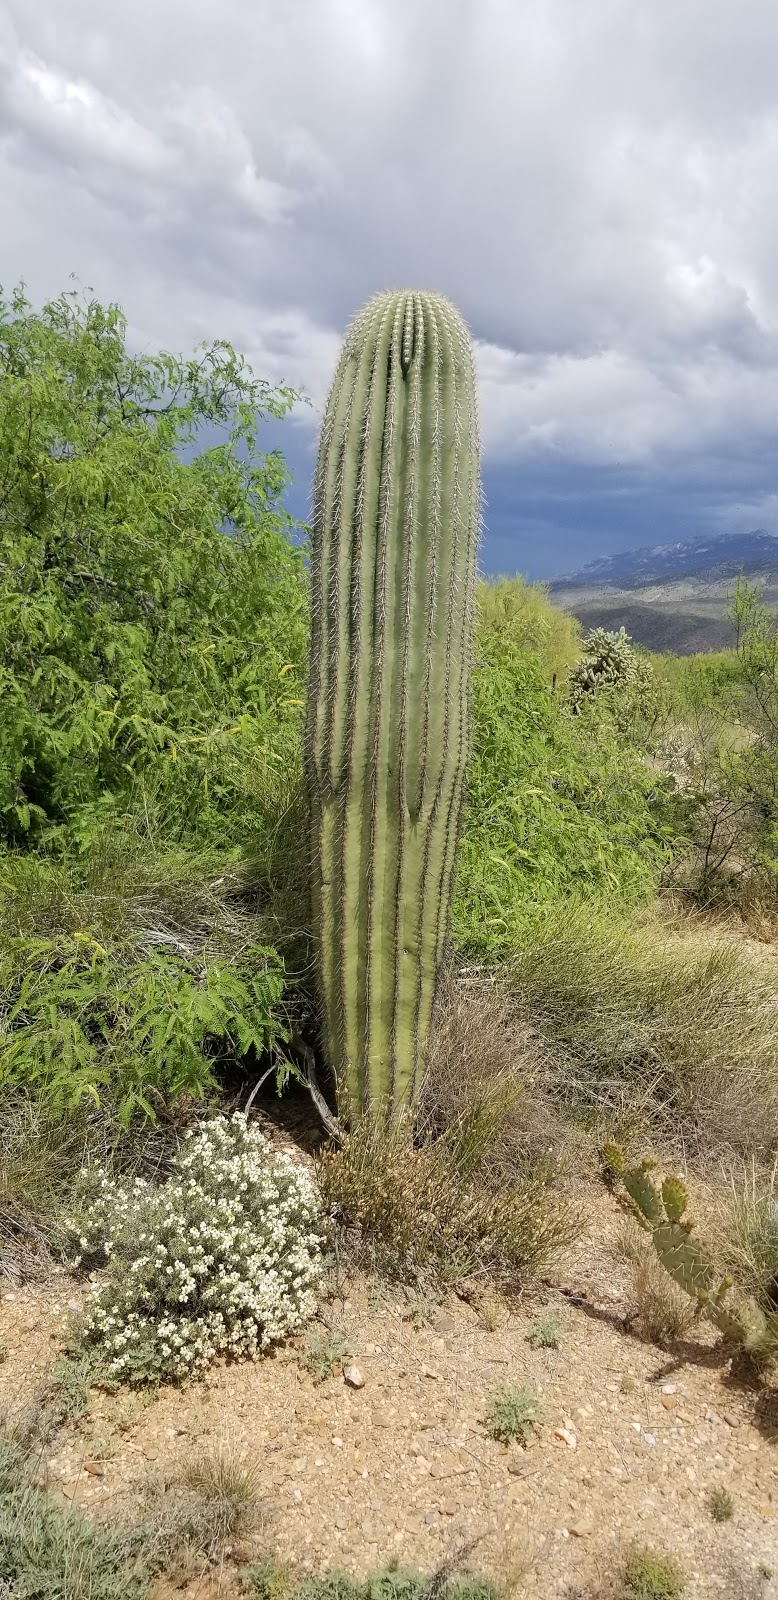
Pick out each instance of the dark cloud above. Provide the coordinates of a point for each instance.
(591, 182)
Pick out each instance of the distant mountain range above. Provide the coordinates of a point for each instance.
(671, 596)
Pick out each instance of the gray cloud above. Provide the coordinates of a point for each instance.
(591, 182)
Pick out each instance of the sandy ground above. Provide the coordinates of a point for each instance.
(631, 1443)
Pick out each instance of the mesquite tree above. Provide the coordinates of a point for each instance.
(395, 529)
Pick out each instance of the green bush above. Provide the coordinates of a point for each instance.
(524, 614)
(80, 1018)
(152, 606)
(127, 973)
(558, 806)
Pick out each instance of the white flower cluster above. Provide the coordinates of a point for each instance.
(222, 1258)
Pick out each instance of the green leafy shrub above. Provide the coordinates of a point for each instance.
(152, 605)
(129, 972)
(153, 632)
(559, 807)
(81, 1018)
(223, 1257)
(512, 1413)
(652, 1575)
(524, 613)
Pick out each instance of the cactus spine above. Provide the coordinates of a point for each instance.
(396, 518)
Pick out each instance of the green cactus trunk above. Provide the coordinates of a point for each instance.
(395, 528)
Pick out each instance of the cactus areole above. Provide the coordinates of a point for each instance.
(396, 521)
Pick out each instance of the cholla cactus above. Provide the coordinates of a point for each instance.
(609, 662)
(659, 1209)
(395, 527)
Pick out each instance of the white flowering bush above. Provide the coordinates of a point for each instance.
(222, 1258)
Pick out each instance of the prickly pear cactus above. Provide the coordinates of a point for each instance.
(395, 528)
(660, 1211)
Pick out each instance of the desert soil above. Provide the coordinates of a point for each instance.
(631, 1444)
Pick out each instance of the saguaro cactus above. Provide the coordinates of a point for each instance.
(395, 527)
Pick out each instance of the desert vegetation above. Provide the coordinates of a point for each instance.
(488, 997)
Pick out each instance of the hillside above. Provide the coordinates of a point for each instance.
(671, 597)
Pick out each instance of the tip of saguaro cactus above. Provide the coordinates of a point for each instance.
(396, 520)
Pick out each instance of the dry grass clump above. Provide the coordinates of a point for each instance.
(744, 1232)
(439, 1206)
(663, 1312)
(688, 1024)
(469, 1186)
(191, 1515)
(482, 1048)
(652, 1575)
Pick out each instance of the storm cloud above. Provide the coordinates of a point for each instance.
(591, 182)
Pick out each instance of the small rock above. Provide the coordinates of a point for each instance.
(582, 1529)
(668, 1401)
(431, 1519)
(94, 1468)
(649, 1439)
(449, 1508)
(429, 1372)
(74, 1305)
(353, 1375)
(731, 1420)
(445, 1323)
(567, 1437)
(668, 1388)
(423, 1464)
